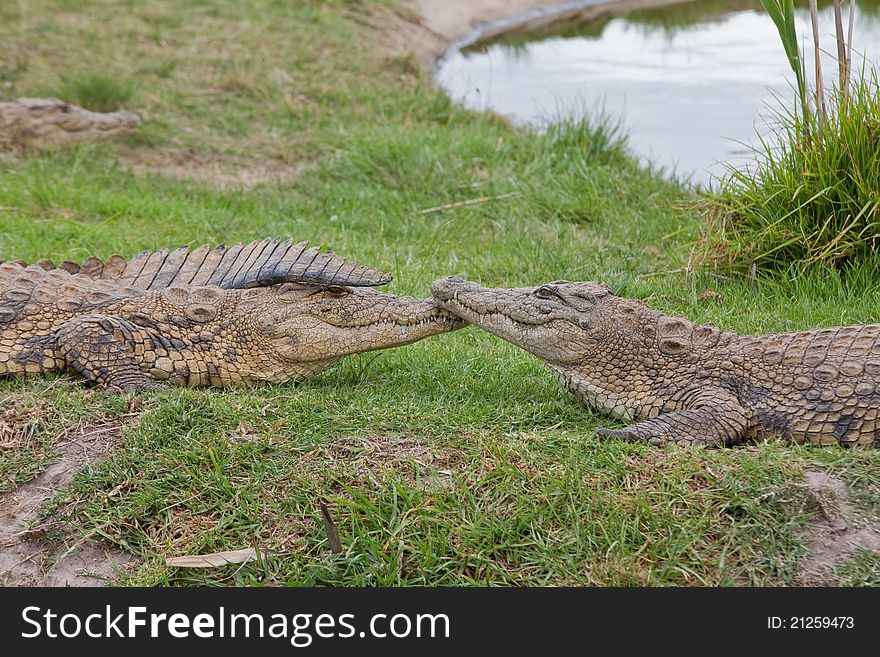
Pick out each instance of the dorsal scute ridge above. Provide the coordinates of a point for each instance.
(257, 264)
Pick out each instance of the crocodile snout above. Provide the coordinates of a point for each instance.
(444, 289)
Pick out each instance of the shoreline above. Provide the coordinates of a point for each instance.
(445, 25)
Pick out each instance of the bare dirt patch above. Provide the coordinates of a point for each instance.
(227, 172)
(25, 559)
(836, 533)
(401, 31)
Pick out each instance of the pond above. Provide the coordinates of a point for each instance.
(692, 82)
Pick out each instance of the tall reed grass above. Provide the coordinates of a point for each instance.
(813, 194)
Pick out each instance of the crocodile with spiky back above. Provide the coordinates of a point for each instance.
(680, 382)
(265, 311)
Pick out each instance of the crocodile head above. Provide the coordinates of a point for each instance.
(309, 323)
(561, 323)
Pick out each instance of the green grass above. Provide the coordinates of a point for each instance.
(810, 199)
(95, 91)
(457, 460)
(862, 570)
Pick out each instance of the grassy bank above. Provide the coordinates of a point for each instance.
(457, 460)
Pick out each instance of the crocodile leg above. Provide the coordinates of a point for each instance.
(100, 348)
(715, 419)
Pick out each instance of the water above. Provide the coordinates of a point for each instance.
(692, 82)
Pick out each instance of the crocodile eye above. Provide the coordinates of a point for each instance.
(288, 293)
(545, 292)
(336, 291)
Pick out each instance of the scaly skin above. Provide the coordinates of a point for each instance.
(130, 339)
(684, 383)
(51, 123)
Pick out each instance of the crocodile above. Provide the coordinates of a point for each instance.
(43, 123)
(680, 382)
(268, 311)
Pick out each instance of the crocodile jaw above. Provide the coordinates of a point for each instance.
(386, 321)
(513, 315)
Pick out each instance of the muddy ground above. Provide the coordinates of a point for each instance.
(26, 557)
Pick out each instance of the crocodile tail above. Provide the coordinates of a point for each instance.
(260, 263)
